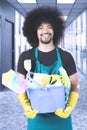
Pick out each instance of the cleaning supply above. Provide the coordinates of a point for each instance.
(14, 82)
(64, 78)
(46, 79)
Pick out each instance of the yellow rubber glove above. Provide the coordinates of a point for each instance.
(29, 113)
(64, 78)
(71, 103)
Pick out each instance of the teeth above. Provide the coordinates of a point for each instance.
(46, 35)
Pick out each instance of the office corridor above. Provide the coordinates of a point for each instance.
(13, 42)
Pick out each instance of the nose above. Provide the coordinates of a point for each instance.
(45, 30)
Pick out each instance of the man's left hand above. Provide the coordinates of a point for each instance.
(63, 113)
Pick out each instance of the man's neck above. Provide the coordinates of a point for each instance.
(46, 47)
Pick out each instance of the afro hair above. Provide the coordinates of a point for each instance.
(47, 15)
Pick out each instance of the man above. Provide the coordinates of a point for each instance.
(44, 28)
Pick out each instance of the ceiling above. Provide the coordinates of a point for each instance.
(70, 10)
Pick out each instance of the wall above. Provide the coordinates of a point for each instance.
(7, 23)
(76, 41)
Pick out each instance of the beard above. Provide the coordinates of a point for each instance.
(46, 41)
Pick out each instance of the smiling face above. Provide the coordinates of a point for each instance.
(45, 33)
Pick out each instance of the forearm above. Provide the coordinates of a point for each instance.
(72, 99)
(29, 113)
(25, 102)
(75, 86)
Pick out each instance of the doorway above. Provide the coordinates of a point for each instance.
(7, 47)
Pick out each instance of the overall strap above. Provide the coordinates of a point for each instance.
(54, 68)
(59, 58)
(58, 55)
(36, 53)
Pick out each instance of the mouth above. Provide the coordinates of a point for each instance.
(46, 35)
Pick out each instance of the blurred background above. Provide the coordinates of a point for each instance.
(12, 43)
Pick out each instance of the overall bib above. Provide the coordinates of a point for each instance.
(48, 121)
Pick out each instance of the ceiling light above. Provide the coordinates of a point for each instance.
(65, 18)
(65, 1)
(27, 1)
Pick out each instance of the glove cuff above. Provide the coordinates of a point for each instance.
(72, 100)
(24, 101)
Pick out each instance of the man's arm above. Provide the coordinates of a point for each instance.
(73, 98)
(74, 83)
(23, 98)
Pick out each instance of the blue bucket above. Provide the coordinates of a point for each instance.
(48, 99)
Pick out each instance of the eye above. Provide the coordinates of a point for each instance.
(40, 27)
(50, 27)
